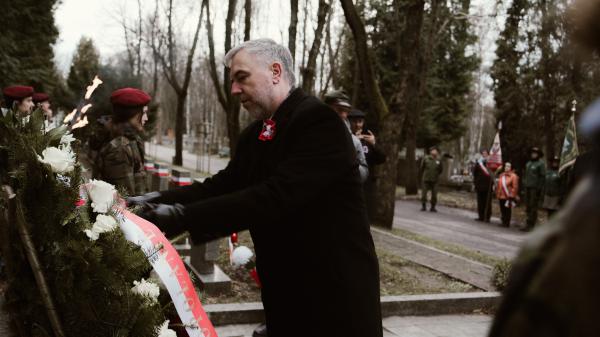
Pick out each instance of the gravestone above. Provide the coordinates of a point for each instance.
(160, 177)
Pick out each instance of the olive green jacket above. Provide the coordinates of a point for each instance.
(431, 169)
(535, 174)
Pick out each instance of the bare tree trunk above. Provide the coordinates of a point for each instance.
(309, 72)
(292, 29)
(391, 122)
(229, 103)
(247, 19)
(171, 74)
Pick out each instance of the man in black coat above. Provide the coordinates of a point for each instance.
(294, 183)
(483, 180)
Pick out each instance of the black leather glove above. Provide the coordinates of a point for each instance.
(168, 218)
(143, 200)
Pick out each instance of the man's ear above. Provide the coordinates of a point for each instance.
(277, 72)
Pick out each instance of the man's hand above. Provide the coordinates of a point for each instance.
(369, 138)
(169, 218)
(142, 200)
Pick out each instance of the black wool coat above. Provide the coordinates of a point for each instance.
(300, 196)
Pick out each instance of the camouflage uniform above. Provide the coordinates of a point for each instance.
(535, 175)
(431, 169)
(121, 162)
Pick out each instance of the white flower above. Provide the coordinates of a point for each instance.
(61, 160)
(67, 138)
(103, 224)
(164, 331)
(102, 195)
(241, 256)
(147, 289)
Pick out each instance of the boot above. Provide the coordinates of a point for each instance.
(432, 209)
(260, 331)
(424, 208)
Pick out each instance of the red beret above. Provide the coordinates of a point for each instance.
(130, 97)
(40, 97)
(17, 92)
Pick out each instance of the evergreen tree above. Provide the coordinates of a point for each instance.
(84, 66)
(26, 46)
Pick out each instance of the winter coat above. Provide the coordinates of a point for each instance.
(301, 197)
(507, 182)
(535, 174)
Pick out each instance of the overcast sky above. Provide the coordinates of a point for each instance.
(99, 20)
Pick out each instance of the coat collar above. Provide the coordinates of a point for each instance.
(295, 96)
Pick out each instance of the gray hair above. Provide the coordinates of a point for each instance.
(269, 51)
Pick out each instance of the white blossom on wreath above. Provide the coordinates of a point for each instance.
(241, 256)
(164, 331)
(67, 138)
(103, 224)
(147, 289)
(102, 195)
(61, 159)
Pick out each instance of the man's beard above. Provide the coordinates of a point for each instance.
(256, 107)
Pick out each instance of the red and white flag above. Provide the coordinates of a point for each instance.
(170, 268)
(495, 158)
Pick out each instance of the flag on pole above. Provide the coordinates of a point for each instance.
(495, 158)
(570, 150)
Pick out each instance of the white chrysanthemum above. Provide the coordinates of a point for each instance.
(102, 195)
(103, 224)
(67, 138)
(61, 160)
(241, 256)
(146, 289)
(164, 331)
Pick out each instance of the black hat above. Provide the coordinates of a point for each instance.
(355, 113)
(537, 150)
(431, 148)
(337, 97)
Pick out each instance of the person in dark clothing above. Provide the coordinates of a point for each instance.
(373, 155)
(535, 176)
(294, 183)
(552, 188)
(483, 180)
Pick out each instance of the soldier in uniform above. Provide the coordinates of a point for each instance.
(340, 103)
(431, 168)
(18, 97)
(120, 161)
(294, 183)
(42, 100)
(483, 180)
(552, 188)
(535, 176)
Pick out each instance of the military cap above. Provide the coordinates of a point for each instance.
(130, 97)
(40, 97)
(17, 92)
(337, 97)
(355, 113)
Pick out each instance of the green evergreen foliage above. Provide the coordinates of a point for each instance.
(450, 74)
(90, 281)
(536, 77)
(26, 46)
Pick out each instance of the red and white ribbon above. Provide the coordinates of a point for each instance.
(149, 167)
(181, 181)
(170, 268)
(162, 172)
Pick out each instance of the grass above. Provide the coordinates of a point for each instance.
(448, 247)
(397, 277)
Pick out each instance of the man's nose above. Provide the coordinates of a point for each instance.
(235, 88)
